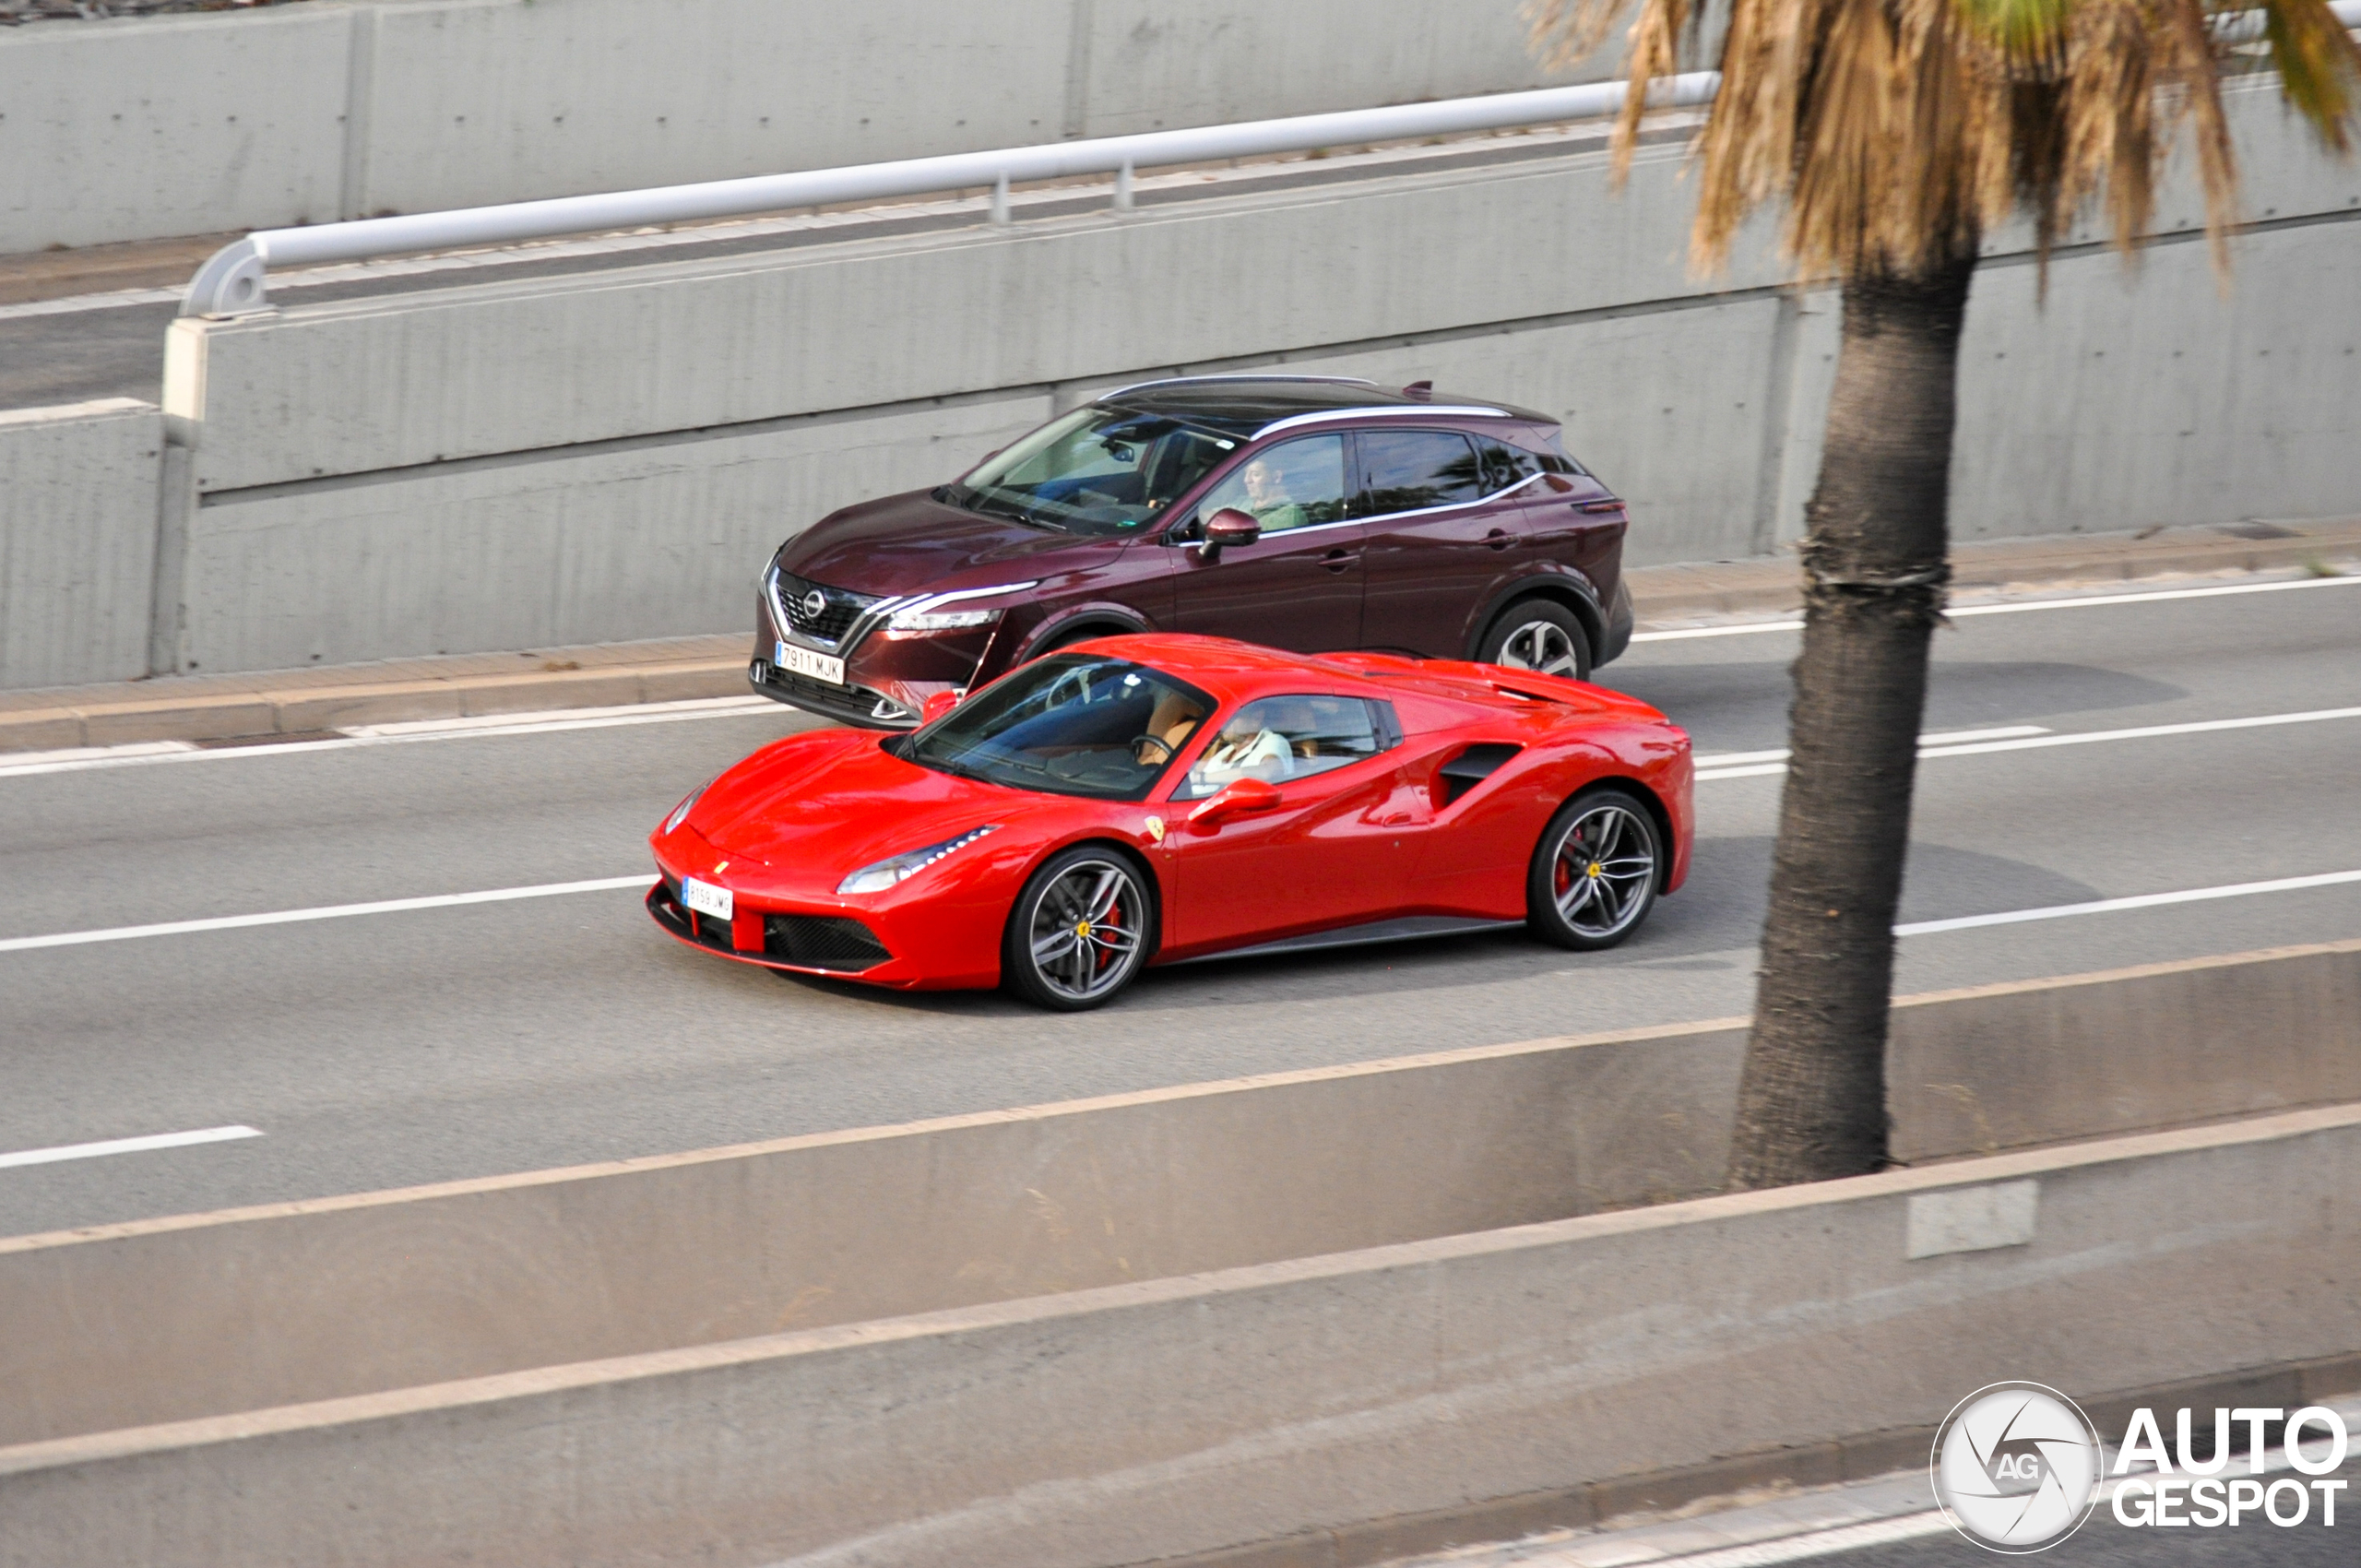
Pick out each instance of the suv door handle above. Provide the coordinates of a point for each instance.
(1337, 560)
(1500, 538)
(1609, 505)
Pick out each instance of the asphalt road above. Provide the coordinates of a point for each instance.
(393, 1049)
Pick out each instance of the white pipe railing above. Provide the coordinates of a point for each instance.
(235, 279)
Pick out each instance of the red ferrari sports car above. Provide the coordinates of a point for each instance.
(1153, 799)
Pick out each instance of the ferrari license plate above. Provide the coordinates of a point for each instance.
(803, 661)
(708, 899)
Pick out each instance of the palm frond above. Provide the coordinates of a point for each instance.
(1896, 132)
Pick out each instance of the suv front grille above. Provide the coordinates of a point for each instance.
(792, 598)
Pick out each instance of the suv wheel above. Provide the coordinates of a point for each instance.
(1535, 633)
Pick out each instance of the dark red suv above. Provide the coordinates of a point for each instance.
(1303, 512)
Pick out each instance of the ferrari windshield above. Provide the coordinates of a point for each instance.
(1071, 724)
(1096, 470)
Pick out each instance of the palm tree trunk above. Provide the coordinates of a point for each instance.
(1811, 1098)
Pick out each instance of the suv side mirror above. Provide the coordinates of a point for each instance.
(936, 706)
(1229, 526)
(1230, 800)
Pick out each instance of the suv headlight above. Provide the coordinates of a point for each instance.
(940, 619)
(885, 874)
(947, 611)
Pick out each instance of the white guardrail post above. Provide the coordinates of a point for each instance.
(235, 279)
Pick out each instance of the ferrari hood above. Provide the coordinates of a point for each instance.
(833, 800)
(914, 544)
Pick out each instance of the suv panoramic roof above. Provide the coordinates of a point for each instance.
(1245, 404)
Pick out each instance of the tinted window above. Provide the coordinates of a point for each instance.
(1410, 468)
(1072, 724)
(1292, 485)
(1504, 465)
(1096, 470)
(1282, 738)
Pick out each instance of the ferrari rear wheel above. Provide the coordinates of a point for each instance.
(1595, 871)
(1080, 932)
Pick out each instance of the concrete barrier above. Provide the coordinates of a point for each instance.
(77, 541)
(1272, 1405)
(200, 1316)
(139, 129)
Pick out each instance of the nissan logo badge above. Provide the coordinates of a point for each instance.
(815, 604)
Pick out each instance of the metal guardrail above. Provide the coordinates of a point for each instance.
(235, 279)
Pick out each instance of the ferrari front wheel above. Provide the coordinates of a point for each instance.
(1080, 932)
(1595, 871)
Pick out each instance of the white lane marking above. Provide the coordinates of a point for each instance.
(396, 734)
(125, 1145)
(2141, 901)
(1763, 1554)
(327, 912)
(2078, 738)
(2013, 607)
(1950, 738)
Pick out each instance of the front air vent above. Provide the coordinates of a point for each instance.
(1471, 767)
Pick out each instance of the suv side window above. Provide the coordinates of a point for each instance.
(1409, 469)
(1296, 484)
(1282, 738)
(1504, 465)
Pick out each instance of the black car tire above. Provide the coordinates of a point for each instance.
(1537, 634)
(1073, 894)
(1623, 869)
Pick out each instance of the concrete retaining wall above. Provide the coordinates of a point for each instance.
(1181, 1417)
(137, 129)
(77, 541)
(171, 1319)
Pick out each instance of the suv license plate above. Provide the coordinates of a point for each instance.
(708, 899)
(803, 661)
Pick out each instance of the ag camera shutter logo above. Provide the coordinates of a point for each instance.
(2016, 1467)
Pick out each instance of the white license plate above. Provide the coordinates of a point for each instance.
(803, 661)
(708, 899)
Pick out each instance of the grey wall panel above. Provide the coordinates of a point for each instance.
(77, 541)
(638, 542)
(187, 126)
(140, 128)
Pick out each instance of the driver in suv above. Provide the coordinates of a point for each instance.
(1351, 516)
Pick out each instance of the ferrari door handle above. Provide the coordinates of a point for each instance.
(1337, 560)
(1500, 538)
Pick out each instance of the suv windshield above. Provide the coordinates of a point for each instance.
(1071, 724)
(1096, 470)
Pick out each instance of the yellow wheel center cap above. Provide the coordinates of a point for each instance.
(1594, 868)
(1083, 930)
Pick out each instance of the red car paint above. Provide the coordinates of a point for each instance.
(1373, 840)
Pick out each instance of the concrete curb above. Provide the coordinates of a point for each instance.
(306, 702)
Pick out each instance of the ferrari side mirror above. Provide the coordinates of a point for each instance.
(1234, 799)
(1229, 526)
(938, 705)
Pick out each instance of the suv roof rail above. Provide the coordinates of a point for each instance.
(1234, 375)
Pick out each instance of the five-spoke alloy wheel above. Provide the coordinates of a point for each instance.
(1080, 932)
(1535, 633)
(1595, 871)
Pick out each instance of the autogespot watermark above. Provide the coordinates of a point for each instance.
(2018, 1467)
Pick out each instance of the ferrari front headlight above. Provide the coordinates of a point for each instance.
(681, 813)
(885, 874)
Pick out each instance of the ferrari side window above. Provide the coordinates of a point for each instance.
(1291, 737)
